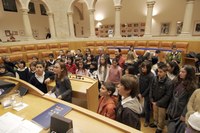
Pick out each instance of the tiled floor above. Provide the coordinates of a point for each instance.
(148, 129)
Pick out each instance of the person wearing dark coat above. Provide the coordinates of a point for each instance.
(4, 72)
(160, 94)
(129, 108)
(145, 83)
(10, 66)
(63, 88)
(185, 85)
(22, 72)
(41, 78)
(101, 53)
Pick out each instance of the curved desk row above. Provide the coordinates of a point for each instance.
(84, 121)
(85, 89)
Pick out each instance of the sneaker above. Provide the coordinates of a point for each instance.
(158, 131)
(153, 125)
(146, 124)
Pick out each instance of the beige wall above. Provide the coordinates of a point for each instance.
(13, 21)
(131, 11)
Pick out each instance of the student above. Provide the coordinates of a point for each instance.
(101, 53)
(88, 61)
(50, 68)
(34, 59)
(61, 53)
(120, 59)
(22, 72)
(41, 78)
(154, 67)
(78, 53)
(132, 49)
(145, 83)
(174, 55)
(103, 69)
(81, 71)
(63, 88)
(87, 52)
(10, 66)
(106, 102)
(115, 72)
(129, 70)
(173, 70)
(160, 94)
(50, 61)
(71, 67)
(129, 108)
(185, 85)
(92, 72)
(32, 69)
(4, 72)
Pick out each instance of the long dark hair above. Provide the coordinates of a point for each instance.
(148, 65)
(105, 65)
(64, 73)
(175, 67)
(190, 81)
(130, 82)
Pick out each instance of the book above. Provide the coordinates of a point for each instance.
(44, 118)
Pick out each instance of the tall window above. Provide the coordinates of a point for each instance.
(31, 8)
(43, 10)
(9, 5)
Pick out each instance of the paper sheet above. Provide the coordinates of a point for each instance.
(18, 108)
(11, 123)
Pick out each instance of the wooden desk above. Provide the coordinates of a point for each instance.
(84, 89)
(84, 121)
(189, 61)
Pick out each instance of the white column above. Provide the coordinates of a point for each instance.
(51, 25)
(27, 25)
(71, 24)
(186, 30)
(117, 21)
(148, 25)
(92, 28)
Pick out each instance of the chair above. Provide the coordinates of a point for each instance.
(130, 43)
(120, 43)
(17, 57)
(141, 44)
(29, 56)
(64, 46)
(153, 44)
(90, 44)
(100, 44)
(29, 48)
(183, 46)
(111, 52)
(166, 45)
(45, 54)
(54, 46)
(4, 50)
(16, 49)
(110, 43)
(43, 47)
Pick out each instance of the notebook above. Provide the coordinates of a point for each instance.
(44, 119)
